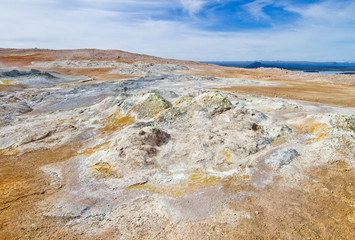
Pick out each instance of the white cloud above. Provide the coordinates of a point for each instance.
(45, 25)
(256, 9)
(193, 6)
(327, 12)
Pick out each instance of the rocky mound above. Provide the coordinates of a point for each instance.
(35, 78)
(31, 74)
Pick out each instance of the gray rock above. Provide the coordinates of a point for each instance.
(32, 73)
(142, 124)
(281, 157)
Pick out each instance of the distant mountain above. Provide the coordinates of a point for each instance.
(256, 65)
(292, 65)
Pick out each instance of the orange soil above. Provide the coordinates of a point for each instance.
(321, 209)
(333, 90)
(12, 57)
(308, 91)
(22, 185)
(20, 61)
(10, 87)
(93, 73)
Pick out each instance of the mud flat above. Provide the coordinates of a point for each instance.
(111, 145)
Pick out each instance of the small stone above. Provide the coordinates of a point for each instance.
(256, 127)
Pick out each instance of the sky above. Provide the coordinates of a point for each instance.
(202, 30)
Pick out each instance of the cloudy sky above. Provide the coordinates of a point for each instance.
(224, 30)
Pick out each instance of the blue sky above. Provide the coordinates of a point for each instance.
(315, 30)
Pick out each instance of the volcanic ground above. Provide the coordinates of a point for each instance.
(99, 144)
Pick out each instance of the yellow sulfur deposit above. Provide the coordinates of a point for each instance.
(320, 130)
(196, 181)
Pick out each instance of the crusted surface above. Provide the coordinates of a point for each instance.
(156, 150)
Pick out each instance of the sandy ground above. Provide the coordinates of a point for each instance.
(332, 90)
(328, 93)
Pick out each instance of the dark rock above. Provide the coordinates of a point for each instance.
(256, 127)
(150, 137)
(12, 73)
(151, 151)
(143, 124)
(156, 138)
(32, 73)
(281, 157)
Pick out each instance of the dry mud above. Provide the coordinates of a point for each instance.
(113, 145)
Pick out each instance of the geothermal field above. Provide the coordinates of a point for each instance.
(101, 144)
